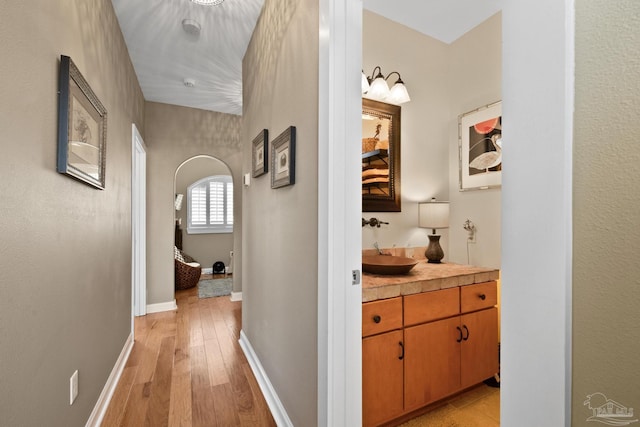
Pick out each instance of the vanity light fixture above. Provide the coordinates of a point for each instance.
(208, 2)
(434, 215)
(375, 87)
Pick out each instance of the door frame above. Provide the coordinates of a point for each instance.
(138, 225)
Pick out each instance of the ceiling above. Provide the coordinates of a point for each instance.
(164, 55)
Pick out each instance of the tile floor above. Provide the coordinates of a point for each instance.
(478, 407)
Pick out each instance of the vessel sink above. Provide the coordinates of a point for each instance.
(387, 264)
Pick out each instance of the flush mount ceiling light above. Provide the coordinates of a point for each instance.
(375, 87)
(208, 2)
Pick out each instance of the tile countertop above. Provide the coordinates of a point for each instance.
(424, 277)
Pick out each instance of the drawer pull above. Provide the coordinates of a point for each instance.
(465, 328)
(402, 349)
(482, 297)
(460, 331)
(377, 319)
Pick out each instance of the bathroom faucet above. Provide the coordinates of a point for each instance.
(374, 222)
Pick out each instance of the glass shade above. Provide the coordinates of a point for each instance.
(379, 89)
(398, 94)
(364, 84)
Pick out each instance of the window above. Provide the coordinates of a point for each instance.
(210, 205)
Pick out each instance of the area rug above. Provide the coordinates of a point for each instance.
(214, 288)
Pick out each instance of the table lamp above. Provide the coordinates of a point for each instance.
(433, 215)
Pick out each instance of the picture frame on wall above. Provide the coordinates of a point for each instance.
(480, 148)
(82, 128)
(283, 159)
(260, 150)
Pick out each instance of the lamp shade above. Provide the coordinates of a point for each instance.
(364, 83)
(433, 214)
(398, 94)
(379, 88)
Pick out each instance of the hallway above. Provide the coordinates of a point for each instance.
(187, 369)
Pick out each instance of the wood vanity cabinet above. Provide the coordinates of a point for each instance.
(382, 361)
(448, 342)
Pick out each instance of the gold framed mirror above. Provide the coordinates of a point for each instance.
(380, 157)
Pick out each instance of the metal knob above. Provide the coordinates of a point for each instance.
(377, 319)
(482, 297)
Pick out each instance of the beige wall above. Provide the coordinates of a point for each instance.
(422, 63)
(279, 314)
(205, 248)
(606, 242)
(173, 135)
(474, 80)
(65, 250)
(444, 81)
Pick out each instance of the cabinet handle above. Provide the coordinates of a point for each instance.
(465, 328)
(482, 297)
(377, 319)
(402, 351)
(459, 330)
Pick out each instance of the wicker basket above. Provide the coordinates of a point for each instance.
(186, 276)
(369, 144)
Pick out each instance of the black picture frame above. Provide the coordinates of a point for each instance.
(82, 128)
(260, 153)
(283, 159)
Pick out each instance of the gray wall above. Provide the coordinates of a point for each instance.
(65, 250)
(606, 272)
(173, 135)
(280, 285)
(205, 248)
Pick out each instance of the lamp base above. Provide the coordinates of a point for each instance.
(434, 252)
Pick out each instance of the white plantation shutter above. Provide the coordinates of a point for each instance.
(210, 205)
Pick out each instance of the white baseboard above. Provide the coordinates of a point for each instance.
(162, 306)
(208, 270)
(273, 401)
(95, 419)
(236, 296)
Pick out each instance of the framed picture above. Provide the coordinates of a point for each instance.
(480, 148)
(259, 163)
(82, 128)
(283, 159)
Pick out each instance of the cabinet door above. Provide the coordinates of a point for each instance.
(479, 357)
(432, 362)
(382, 366)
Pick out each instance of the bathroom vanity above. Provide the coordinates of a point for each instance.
(425, 336)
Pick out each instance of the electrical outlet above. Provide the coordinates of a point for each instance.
(73, 387)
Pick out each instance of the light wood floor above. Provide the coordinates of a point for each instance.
(187, 369)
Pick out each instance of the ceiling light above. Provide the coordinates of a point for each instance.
(208, 2)
(376, 88)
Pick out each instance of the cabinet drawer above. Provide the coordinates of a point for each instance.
(428, 306)
(479, 296)
(381, 316)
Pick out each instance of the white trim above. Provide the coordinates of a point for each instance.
(162, 306)
(278, 411)
(236, 296)
(138, 225)
(207, 270)
(95, 419)
(339, 213)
